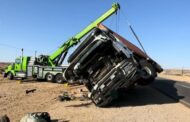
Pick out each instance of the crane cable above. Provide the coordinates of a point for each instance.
(135, 35)
(117, 21)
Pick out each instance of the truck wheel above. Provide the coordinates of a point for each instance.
(10, 76)
(59, 78)
(149, 73)
(4, 75)
(49, 77)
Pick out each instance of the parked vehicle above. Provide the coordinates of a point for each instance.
(25, 67)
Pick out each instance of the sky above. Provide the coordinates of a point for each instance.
(163, 26)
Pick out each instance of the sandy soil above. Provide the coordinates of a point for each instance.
(176, 77)
(144, 104)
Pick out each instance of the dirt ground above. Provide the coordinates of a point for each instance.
(144, 104)
(176, 77)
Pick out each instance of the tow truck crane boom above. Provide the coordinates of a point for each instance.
(57, 55)
(49, 66)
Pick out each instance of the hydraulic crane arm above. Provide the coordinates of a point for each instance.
(74, 40)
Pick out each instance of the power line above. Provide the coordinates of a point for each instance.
(14, 47)
(10, 46)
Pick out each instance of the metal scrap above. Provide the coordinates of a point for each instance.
(30, 91)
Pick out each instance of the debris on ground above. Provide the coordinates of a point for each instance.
(30, 91)
(84, 97)
(65, 97)
(4, 118)
(36, 117)
(19, 81)
(81, 95)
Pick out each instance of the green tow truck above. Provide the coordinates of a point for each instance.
(49, 67)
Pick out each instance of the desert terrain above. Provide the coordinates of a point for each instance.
(143, 104)
(176, 77)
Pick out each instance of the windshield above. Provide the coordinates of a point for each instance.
(18, 61)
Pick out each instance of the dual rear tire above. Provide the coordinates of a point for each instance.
(58, 78)
(49, 77)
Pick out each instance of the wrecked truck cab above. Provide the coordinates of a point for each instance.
(104, 64)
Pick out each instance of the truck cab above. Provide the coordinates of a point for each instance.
(105, 64)
(17, 69)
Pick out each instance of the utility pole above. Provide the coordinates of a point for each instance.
(22, 52)
(35, 53)
(22, 59)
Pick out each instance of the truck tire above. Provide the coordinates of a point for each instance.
(59, 78)
(149, 73)
(10, 76)
(49, 77)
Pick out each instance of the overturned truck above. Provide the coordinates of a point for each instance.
(105, 62)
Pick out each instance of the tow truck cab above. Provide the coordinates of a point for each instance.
(17, 69)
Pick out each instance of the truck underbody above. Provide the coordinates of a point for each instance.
(104, 64)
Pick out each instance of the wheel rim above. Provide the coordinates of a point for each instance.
(49, 77)
(146, 72)
(59, 79)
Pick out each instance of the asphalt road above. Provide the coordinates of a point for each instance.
(179, 91)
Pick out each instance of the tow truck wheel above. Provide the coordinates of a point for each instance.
(49, 77)
(10, 76)
(148, 73)
(59, 78)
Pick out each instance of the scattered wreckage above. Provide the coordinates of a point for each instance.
(106, 62)
(36, 117)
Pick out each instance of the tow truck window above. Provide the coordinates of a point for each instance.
(17, 61)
